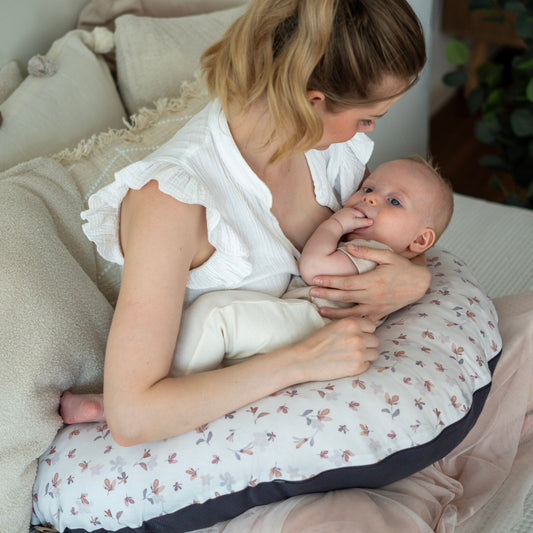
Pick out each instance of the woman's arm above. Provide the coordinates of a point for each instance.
(393, 284)
(161, 240)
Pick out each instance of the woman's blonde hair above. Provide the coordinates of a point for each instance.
(284, 48)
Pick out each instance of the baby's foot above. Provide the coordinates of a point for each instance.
(79, 408)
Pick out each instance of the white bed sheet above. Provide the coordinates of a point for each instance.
(496, 241)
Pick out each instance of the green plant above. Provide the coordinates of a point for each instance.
(503, 98)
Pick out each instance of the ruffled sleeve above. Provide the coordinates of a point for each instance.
(229, 263)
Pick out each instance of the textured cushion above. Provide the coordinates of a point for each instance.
(104, 12)
(413, 406)
(154, 56)
(46, 114)
(10, 79)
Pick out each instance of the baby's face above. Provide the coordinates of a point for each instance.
(398, 197)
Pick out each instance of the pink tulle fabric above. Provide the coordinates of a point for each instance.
(494, 464)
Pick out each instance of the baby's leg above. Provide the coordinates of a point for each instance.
(236, 324)
(80, 408)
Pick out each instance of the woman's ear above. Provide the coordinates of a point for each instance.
(425, 239)
(315, 97)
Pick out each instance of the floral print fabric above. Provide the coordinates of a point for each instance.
(433, 356)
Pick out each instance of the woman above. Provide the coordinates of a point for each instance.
(230, 201)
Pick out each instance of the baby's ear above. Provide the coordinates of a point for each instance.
(424, 240)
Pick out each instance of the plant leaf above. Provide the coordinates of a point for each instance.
(475, 99)
(522, 122)
(484, 132)
(455, 78)
(524, 26)
(493, 161)
(529, 90)
(457, 53)
(480, 4)
(515, 7)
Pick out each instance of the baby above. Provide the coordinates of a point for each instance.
(409, 206)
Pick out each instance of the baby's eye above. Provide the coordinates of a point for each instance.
(367, 189)
(394, 201)
(367, 122)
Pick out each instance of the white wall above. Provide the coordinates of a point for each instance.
(28, 27)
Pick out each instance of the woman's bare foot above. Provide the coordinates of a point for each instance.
(80, 408)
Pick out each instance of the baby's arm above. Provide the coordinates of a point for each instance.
(320, 255)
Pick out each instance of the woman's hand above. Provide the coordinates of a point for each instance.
(339, 349)
(393, 284)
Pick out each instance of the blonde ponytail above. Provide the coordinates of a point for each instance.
(284, 48)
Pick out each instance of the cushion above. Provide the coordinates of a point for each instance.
(104, 12)
(53, 318)
(413, 406)
(154, 56)
(45, 114)
(10, 79)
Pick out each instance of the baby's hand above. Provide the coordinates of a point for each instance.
(351, 219)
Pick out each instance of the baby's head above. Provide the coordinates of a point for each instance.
(409, 202)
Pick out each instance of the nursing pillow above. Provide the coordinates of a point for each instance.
(417, 401)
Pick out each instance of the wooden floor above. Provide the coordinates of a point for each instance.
(456, 150)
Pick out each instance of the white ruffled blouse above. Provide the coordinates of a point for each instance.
(202, 165)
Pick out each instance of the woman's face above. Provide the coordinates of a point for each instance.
(341, 126)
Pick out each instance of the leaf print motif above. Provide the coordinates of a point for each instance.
(392, 401)
(83, 499)
(354, 405)
(253, 411)
(128, 500)
(428, 385)
(392, 434)
(323, 415)
(419, 403)
(123, 478)
(156, 488)
(283, 409)
(343, 429)
(109, 485)
(108, 513)
(428, 334)
(95, 521)
(324, 454)
(358, 383)
(439, 367)
(171, 459)
(454, 402)
(299, 441)
(83, 465)
(215, 460)
(73, 433)
(471, 315)
(56, 481)
(346, 454)
(275, 472)
(364, 430)
(72, 453)
(192, 473)
(457, 350)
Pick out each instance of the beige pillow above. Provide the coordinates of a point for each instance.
(46, 114)
(154, 56)
(10, 79)
(104, 12)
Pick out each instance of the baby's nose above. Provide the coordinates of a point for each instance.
(370, 199)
